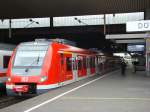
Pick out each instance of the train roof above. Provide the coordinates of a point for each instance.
(34, 43)
(47, 41)
(68, 45)
(77, 50)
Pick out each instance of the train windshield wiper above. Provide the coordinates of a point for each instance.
(35, 61)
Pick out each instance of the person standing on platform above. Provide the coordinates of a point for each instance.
(123, 67)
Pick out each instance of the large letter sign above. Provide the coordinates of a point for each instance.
(138, 26)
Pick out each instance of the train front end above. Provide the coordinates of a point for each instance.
(28, 68)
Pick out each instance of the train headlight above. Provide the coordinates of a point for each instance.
(43, 78)
(9, 79)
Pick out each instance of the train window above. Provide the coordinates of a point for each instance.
(79, 64)
(84, 63)
(92, 62)
(96, 59)
(29, 58)
(62, 58)
(6, 61)
(99, 59)
(69, 64)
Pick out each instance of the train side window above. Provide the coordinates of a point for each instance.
(6, 61)
(62, 58)
(84, 63)
(93, 62)
(96, 60)
(79, 64)
(69, 64)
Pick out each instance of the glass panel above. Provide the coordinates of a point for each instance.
(6, 61)
(4, 24)
(118, 18)
(69, 64)
(122, 18)
(29, 58)
(78, 20)
(30, 22)
(84, 63)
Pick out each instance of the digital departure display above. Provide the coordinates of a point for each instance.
(133, 47)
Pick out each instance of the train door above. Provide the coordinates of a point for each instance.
(84, 71)
(92, 65)
(96, 64)
(62, 68)
(68, 74)
(74, 66)
(88, 65)
(79, 62)
(65, 67)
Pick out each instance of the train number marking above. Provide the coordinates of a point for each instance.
(24, 79)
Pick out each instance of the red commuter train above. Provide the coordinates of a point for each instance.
(38, 66)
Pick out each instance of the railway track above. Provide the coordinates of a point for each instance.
(6, 101)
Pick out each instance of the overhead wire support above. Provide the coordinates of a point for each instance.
(79, 21)
(32, 21)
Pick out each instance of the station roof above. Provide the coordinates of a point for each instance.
(53, 8)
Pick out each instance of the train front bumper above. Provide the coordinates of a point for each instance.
(21, 88)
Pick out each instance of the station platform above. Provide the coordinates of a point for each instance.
(111, 92)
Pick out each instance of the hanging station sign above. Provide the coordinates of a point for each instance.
(138, 26)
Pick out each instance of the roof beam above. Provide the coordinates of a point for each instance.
(53, 8)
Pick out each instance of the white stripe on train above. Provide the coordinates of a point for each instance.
(51, 86)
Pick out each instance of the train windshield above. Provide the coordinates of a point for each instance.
(30, 56)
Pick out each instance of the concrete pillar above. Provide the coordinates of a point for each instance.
(148, 54)
(104, 24)
(147, 17)
(147, 14)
